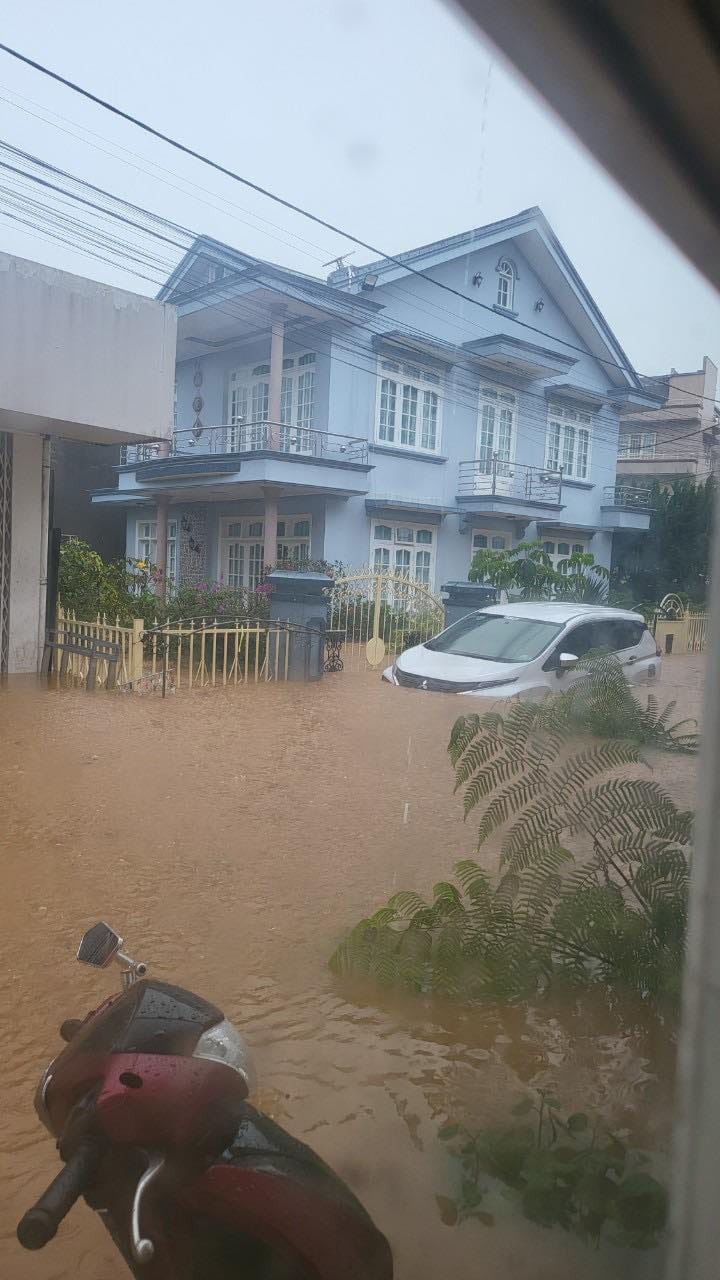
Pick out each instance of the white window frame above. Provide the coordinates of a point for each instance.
(146, 546)
(490, 535)
(247, 547)
(507, 275)
(557, 556)
(568, 442)
(502, 401)
(248, 406)
(415, 386)
(403, 550)
(637, 444)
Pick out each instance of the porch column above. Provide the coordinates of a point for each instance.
(277, 343)
(161, 523)
(270, 527)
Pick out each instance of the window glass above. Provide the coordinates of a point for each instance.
(404, 533)
(549, 547)
(424, 535)
(480, 541)
(255, 529)
(498, 543)
(567, 444)
(301, 528)
(578, 548)
(383, 532)
(496, 637)
(563, 548)
(408, 412)
(235, 530)
(627, 635)
(280, 528)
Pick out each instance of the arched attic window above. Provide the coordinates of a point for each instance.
(506, 283)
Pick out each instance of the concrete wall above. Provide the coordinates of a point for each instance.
(27, 557)
(81, 359)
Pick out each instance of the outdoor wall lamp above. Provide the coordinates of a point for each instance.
(539, 304)
(477, 279)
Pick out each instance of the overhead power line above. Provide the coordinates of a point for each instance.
(51, 224)
(295, 208)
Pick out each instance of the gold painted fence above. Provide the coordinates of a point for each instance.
(192, 653)
(379, 614)
(129, 638)
(201, 653)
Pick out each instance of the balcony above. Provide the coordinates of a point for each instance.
(626, 507)
(252, 455)
(256, 437)
(508, 488)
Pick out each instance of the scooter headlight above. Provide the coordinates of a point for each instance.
(223, 1043)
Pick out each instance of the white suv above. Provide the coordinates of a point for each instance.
(525, 650)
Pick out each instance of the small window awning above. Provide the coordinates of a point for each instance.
(509, 354)
(587, 397)
(399, 345)
(427, 512)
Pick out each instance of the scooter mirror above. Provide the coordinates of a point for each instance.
(99, 946)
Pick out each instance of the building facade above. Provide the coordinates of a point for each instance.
(376, 418)
(676, 437)
(79, 361)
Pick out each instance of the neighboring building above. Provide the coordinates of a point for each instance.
(78, 361)
(679, 436)
(79, 468)
(375, 418)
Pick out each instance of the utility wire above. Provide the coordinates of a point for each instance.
(471, 387)
(294, 208)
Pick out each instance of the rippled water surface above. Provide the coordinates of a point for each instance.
(232, 837)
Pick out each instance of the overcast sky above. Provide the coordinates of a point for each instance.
(387, 117)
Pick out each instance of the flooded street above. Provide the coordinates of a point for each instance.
(232, 837)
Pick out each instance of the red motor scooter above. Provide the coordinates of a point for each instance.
(148, 1103)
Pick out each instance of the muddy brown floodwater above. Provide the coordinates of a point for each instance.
(232, 837)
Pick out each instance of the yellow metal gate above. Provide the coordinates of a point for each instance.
(378, 614)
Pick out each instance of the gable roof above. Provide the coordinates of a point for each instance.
(533, 235)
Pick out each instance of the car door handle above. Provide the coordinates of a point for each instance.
(633, 659)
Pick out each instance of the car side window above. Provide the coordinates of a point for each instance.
(583, 639)
(627, 634)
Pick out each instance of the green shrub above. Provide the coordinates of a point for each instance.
(561, 1170)
(88, 585)
(615, 918)
(603, 703)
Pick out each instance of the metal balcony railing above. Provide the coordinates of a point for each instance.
(628, 496)
(253, 437)
(130, 453)
(493, 477)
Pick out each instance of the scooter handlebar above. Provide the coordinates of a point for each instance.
(39, 1224)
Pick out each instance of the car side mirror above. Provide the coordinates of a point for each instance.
(567, 662)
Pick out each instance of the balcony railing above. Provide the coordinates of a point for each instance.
(628, 496)
(254, 437)
(130, 453)
(492, 477)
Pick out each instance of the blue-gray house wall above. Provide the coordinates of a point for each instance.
(346, 398)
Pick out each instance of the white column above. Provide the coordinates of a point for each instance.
(28, 557)
(277, 346)
(270, 528)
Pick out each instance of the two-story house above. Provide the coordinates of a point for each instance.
(377, 418)
(677, 437)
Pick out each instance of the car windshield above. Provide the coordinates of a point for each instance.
(496, 637)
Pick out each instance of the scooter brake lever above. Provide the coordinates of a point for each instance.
(142, 1248)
